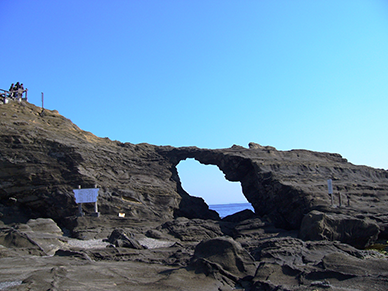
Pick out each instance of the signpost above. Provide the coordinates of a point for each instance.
(87, 195)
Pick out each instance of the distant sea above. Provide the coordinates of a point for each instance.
(228, 209)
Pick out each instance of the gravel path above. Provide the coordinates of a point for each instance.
(147, 242)
(87, 244)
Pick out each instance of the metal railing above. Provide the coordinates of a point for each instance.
(17, 95)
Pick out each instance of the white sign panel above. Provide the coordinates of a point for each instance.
(330, 186)
(86, 195)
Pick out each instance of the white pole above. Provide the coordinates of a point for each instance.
(80, 213)
(95, 203)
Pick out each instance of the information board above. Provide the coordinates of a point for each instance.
(87, 195)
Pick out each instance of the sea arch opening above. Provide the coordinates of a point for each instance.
(208, 182)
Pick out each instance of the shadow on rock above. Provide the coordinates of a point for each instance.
(223, 259)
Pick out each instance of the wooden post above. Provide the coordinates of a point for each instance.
(339, 199)
(43, 109)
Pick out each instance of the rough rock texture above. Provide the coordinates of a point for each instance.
(286, 185)
(169, 240)
(261, 259)
(291, 264)
(224, 259)
(38, 236)
(120, 238)
(357, 232)
(44, 156)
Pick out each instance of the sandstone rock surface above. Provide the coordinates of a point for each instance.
(295, 240)
(355, 231)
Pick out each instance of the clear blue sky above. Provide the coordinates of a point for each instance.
(290, 74)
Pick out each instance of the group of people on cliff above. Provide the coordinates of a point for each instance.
(16, 90)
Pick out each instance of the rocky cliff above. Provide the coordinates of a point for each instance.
(299, 238)
(43, 156)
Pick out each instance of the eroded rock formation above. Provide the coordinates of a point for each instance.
(44, 156)
(297, 239)
(286, 185)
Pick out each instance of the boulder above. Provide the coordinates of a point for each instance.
(222, 257)
(357, 232)
(45, 225)
(120, 238)
(240, 216)
(292, 264)
(153, 233)
(39, 236)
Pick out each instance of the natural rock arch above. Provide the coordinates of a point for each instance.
(44, 157)
(267, 196)
(285, 185)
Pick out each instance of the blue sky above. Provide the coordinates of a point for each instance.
(289, 74)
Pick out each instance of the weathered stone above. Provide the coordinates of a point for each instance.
(44, 156)
(291, 264)
(120, 238)
(223, 256)
(193, 229)
(45, 225)
(240, 216)
(153, 233)
(357, 232)
(41, 236)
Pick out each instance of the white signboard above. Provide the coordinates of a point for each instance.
(330, 186)
(88, 195)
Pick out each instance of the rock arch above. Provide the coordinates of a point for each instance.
(282, 204)
(286, 185)
(44, 157)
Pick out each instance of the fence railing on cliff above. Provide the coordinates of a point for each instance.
(17, 95)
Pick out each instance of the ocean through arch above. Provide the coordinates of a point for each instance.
(209, 183)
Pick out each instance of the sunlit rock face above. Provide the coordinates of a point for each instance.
(286, 185)
(43, 156)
